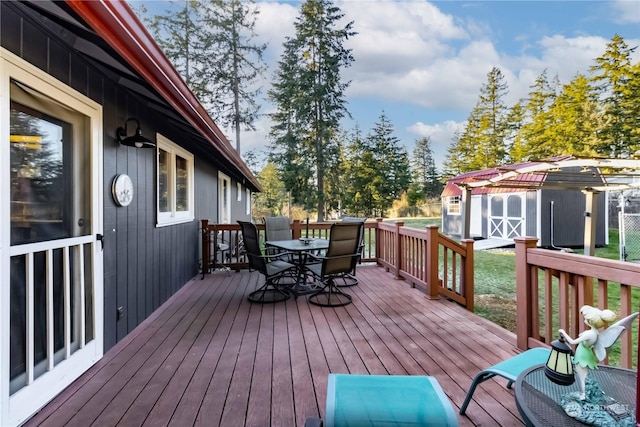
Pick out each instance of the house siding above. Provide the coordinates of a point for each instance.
(143, 264)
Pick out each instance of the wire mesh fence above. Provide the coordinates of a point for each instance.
(629, 236)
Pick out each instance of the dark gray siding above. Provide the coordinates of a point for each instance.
(531, 213)
(143, 264)
(206, 190)
(568, 218)
(451, 224)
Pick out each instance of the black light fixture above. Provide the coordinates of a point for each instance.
(559, 367)
(135, 140)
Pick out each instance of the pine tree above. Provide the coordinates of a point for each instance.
(613, 77)
(535, 133)
(237, 62)
(210, 42)
(426, 179)
(392, 174)
(482, 144)
(180, 36)
(309, 98)
(577, 116)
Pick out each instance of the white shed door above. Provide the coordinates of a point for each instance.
(506, 215)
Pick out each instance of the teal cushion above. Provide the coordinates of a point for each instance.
(387, 400)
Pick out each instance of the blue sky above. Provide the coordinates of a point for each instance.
(423, 63)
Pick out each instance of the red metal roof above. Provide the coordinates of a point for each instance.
(522, 181)
(118, 25)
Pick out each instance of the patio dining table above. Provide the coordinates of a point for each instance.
(301, 248)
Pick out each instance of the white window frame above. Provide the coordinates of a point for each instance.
(454, 205)
(224, 193)
(173, 216)
(238, 192)
(247, 201)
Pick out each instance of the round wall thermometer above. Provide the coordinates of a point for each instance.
(122, 190)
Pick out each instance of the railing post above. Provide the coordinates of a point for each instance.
(205, 246)
(467, 274)
(378, 243)
(398, 255)
(296, 229)
(524, 323)
(433, 262)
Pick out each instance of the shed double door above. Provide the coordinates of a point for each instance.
(506, 215)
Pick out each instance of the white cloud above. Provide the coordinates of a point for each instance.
(626, 11)
(411, 54)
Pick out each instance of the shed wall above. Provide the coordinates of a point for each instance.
(567, 226)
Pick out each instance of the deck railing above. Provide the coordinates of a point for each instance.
(551, 286)
(426, 259)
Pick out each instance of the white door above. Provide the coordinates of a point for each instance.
(506, 215)
(476, 216)
(51, 276)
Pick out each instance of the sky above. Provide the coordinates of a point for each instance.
(423, 63)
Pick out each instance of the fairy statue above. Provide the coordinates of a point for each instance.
(592, 346)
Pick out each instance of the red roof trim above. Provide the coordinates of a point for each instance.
(116, 23)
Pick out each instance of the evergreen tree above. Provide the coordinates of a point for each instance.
(210, 42)
(360, 167)
(309, 98)
(426, 179)
(514, 142)
(182, 39)
(536, 132)
(392, 174)
(577, 116)
(613, 77)
(237, 62)
(269, 202)
(482, 144)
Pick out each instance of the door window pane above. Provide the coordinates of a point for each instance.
(40, 176)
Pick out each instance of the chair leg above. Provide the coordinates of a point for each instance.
(330, 296)
(347, 280)
(268, 293)
(480, 378)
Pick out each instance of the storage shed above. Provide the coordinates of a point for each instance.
(555, 200)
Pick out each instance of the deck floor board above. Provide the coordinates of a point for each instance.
(210, 357)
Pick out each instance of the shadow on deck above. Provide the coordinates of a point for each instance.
(209, 357)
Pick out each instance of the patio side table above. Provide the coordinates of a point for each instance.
(538, 399)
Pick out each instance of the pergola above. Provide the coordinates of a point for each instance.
(592, 176)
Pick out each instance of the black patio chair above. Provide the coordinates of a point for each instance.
(277, 228)
(272, 269)
(340, 258)
(350, 279)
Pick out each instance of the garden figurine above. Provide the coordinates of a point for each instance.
(593, 344)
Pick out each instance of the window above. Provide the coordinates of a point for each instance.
(175, 183)
(224, 198)
(238, 192)
(453, 205)
(247, 201)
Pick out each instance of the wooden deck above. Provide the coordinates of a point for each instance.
(209, 357)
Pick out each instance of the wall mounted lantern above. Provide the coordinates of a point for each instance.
(135, 140)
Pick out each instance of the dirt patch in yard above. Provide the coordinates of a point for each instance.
(499, 310)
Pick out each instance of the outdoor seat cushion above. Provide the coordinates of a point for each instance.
(387, 400)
